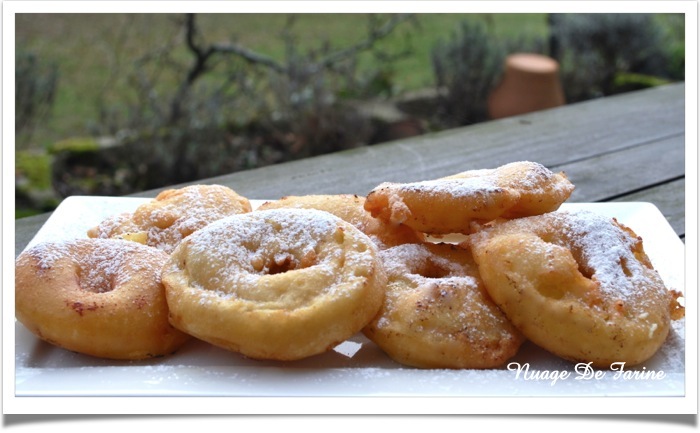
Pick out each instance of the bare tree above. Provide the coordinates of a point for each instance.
(204, 54)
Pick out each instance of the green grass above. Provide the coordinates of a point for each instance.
(95, 55)
(34, 170)
(36, 167)
(95, 52)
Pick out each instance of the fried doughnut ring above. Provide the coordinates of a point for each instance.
(173, 215)
(99, 297)
(350, 208)
(437, 314)
(280, 284)
(450, 204)
(577, 284)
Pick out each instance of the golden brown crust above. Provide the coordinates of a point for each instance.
(436, 312)
(350, 208)
(452, 203)
(301, 274)
(577, 284)
(279, 284)
(173, 215)
(99, 297)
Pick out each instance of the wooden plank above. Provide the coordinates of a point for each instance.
(606, 176)
(569, 133)
(552, 137)
(559, 137)
(26, 228)
(669, 198)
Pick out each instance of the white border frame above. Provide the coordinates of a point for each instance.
(686, 405)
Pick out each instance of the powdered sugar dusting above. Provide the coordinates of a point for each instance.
(119, 223)
(100, 264)
(457, 188)
(407, 259)
(607, 251)
(519, 177)
(237, 251)
(604, 251)
(174, 214)
(532, 175)
(55, 371)
(439, 297)
(168, 222)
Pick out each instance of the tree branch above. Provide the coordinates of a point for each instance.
(201, 55)
(249, 56)
(375, 34)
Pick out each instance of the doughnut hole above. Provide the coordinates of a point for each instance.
(436, 313)
(275, 284)
(286, 262)
(432, 270)
(281, 264)
(99, 297)
(614, 307)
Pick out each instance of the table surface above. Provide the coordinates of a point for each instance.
(624, 148)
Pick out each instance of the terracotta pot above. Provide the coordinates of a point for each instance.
(530, 83)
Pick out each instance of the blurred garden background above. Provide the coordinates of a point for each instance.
(110, 104)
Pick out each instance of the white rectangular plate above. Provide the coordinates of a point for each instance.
(356, 367)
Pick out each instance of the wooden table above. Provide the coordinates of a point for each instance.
(624, 148)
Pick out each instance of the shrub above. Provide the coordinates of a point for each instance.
(593, 49)
(33, 191)
(467, 66)
(204, 109)
(36, 81)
